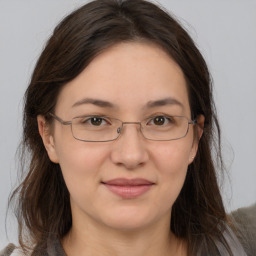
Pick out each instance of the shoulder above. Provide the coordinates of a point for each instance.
(12, 250)
(246, 216)
(52, 247)
(8, 250)
(245, 222)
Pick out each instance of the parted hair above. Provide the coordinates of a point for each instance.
(42, 203)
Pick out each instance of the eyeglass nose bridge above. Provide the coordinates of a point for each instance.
(119, 129)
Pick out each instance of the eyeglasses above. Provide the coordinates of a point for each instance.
(94, 128)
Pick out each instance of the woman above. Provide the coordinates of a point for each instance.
(119, 123)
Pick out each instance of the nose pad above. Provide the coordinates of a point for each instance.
(119, 129)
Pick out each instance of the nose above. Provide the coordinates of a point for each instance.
(129, 149)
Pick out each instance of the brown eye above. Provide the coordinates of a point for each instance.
(159, 120)
(97, 121)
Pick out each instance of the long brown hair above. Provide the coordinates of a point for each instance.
(43, 205)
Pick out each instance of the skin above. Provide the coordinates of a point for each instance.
(128, 75)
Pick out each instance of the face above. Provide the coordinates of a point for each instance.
(131, 182)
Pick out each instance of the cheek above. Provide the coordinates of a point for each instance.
(171, 161)
(80, 164)
(172, 157)
(80, 156)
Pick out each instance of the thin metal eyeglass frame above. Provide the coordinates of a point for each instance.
(193, 122)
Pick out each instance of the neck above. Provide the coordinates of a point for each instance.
(90, 240)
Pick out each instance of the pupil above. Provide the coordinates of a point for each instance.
(159, 120)
(96, 121)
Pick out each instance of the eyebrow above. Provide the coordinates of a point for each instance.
(96, 102)
(107, 104)
(164, 102)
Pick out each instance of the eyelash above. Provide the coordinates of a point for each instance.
(89, 118)
(166, 119)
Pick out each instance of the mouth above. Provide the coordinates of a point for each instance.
(128, 188)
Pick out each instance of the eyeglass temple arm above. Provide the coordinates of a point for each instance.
(193, 121)
(60, 120)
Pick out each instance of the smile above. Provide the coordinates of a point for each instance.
(128, 188)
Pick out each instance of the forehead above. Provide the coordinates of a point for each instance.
(129, 75)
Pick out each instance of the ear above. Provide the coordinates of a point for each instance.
(44, 131)
(199, 129)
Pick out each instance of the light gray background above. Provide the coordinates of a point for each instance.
(225, 32)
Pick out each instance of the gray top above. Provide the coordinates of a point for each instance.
(7, 250)
(245, 219)
(54, 248)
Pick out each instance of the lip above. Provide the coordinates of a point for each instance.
(128, 188)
